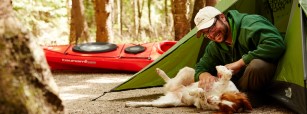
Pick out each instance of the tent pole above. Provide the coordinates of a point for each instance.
(304, 32)
(304, 36)
(100, 95)
(305, 90)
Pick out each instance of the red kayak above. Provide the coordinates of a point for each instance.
(104, 56)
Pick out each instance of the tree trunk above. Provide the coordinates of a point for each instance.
(27, 85)
(198, 4)
(149, 11)
(135, 19)
(181, 22)
(211, 2)
(68, 8)
(166, 12)
(119, 16)
(103, 20)
(140, 5)
(78, 25)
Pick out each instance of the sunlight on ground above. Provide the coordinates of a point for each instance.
(71, 88)
(68, 92)
(106, 80)
(68, 96)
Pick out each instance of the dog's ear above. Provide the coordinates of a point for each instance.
(247, 105)
(227, 109)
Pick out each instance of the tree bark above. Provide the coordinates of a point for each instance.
(103, 20)
(135, 19)
(140, 5)
(149, 11)
(211, 2)
(180, 15)
(78, 25)
(119, 16)
(198, 5)
(27, 85)
(166, 12)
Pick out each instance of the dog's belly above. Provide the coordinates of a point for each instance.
(231, 87)
(221, 87)
(186, 94)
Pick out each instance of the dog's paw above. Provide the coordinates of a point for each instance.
(196, 92)
(159, 71)
(213, 100)
(224, 72)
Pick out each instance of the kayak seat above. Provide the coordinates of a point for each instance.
(94, 47)
(164, 46)
(135, 49)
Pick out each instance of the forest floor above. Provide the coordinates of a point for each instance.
(78, 89)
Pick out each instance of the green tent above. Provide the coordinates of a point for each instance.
(289, 86)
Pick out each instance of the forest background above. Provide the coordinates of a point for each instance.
(27, 84)
(56, 22)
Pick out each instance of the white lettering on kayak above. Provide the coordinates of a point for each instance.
(79, 61)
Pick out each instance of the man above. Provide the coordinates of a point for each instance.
(248, 44)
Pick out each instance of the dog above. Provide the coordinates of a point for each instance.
(183, 91)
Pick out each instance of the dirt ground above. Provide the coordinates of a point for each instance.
(78, 89)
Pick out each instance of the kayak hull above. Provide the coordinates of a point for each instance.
(65, 58)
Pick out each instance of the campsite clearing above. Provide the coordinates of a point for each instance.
(77, 90)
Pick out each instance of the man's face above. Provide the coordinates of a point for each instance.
(217, 32)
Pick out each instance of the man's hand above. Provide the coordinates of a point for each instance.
(235, 66)
(206, 80)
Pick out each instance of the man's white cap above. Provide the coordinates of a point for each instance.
(206, 17)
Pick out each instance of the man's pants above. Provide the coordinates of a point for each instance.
(257, 75)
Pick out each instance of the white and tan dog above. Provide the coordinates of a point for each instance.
(183, 91)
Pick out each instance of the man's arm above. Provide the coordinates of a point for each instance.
(235, 66)
(208, 62)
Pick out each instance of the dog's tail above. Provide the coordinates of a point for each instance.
(163, 75)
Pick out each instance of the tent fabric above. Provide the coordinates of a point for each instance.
(184, 53)
(289, 85)
(291, 67)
